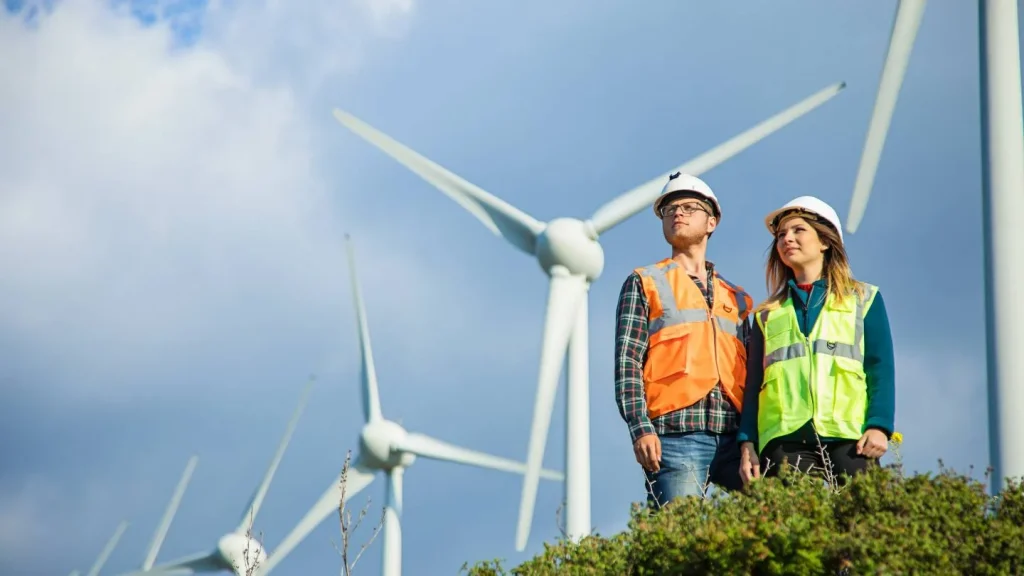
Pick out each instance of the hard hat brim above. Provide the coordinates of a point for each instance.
(717, 212)
(771, 220)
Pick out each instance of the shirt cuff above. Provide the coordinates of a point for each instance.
(879, 425)
(742, 437)
(641, 428)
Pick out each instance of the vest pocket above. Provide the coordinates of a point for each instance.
(668, 359)
(849, 398)
(732, 360)
(777, 326)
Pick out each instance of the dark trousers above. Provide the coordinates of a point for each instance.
(807, 457)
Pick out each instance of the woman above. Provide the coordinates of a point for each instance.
(820, 388)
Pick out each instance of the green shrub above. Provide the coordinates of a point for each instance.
(880, 522)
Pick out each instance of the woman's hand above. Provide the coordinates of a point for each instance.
(750, 467)
(873, 444)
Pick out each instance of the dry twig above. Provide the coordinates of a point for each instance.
(826, 461)
(560, 522)
(347, 527)
(253, 564)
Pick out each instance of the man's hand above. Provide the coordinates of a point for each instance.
(647, 450)
(873, 444)
(750, 466)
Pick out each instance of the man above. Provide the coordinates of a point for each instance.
(680, 351)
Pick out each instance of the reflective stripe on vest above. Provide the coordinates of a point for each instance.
(691, 348)
(826, 385)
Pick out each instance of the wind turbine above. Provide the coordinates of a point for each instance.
(105, 554)
(1002, 151)
(237, 551)
(386, 447)
(568, 251)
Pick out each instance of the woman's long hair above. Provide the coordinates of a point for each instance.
(836, 270)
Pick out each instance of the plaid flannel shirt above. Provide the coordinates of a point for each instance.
(713, 413)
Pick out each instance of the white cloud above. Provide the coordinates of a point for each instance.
(146, 189)
(301, 43)
(389, 15)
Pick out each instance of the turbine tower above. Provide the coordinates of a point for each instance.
(386, 447)
(1002, 151)
(237, 551)
(105, 554)
(568, 251)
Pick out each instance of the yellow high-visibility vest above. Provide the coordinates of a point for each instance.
(818, 377)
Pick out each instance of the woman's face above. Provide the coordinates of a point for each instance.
(798, 244)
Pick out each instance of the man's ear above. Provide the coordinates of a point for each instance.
(712, 224)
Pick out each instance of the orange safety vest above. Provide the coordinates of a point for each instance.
(691, 348)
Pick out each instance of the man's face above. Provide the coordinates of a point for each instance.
(686, 220)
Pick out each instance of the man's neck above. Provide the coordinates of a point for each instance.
(692, 259)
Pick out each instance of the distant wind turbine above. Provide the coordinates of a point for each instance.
(568, 251)
(105, 554)
(384, 446)
(237, 551)
(1002, 152)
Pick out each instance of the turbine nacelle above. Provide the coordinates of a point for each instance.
(572, 244)
(241, 551)
(379, 444)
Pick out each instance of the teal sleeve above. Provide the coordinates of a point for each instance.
(879, 368)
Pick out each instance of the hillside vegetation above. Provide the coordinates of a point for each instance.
(881, 522)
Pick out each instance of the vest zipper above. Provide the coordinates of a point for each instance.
(810, 365)
(714, 328)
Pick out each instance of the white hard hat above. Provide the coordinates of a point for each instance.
(807, 204)
(680, 182)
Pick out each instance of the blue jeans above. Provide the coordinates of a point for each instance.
(690, 463)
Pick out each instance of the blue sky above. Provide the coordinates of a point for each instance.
(175, 194)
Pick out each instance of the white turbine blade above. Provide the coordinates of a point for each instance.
(74, 573)
(427, 447)
(102, 558)
(901, 43)
(503, 219)
(566, 293)
(172, 509)
(371, 391)
(191, 564)
(249, 516)
(357, 479)
(641, 197)
(181, 571)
